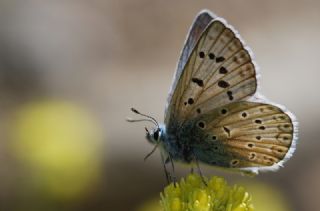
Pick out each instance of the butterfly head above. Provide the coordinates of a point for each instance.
(154, 136)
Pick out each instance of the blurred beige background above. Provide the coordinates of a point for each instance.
(108, 56)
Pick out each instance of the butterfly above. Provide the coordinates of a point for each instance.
(214, 114)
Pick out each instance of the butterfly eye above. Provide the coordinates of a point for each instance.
(156, 135)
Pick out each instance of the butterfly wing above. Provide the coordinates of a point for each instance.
(218, 71)
(209, 106)
(200, 23)
(244, 135)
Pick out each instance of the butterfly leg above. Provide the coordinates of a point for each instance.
(167, 173)
(199, 170)
(173, 171)
(191, 169)
(149, 154)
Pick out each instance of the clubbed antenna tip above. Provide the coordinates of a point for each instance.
(135, 110)
(144, 115)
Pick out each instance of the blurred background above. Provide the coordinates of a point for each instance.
(71, 70)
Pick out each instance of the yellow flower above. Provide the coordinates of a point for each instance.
(191, 194)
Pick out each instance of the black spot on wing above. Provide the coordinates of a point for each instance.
(229, 93)
(211, 56)
(262, 127)
(201, 54)
(223, 84)
(190, 101)
(227, 130)
(223, 111)
(201, 124)
(223, 70)
(198, 81)
(244, 114)
(252, 156)
(220, 59)
(234, 162)
(258, 121)
(250, 145)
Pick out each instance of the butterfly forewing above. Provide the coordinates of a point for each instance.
(243, 135)
(199, 25)
(219, 71)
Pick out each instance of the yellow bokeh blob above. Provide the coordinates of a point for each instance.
(59, 144)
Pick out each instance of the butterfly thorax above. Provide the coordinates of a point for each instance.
(177, 143)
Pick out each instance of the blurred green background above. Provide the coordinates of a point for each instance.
(70, 71)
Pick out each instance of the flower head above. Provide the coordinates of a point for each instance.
(191, 194)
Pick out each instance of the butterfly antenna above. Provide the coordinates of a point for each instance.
(150, 117)
(147, 130)
(140, 120)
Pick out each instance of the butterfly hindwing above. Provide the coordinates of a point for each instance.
(219, 71)
(243, 135)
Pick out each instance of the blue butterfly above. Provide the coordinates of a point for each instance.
(214, 114)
